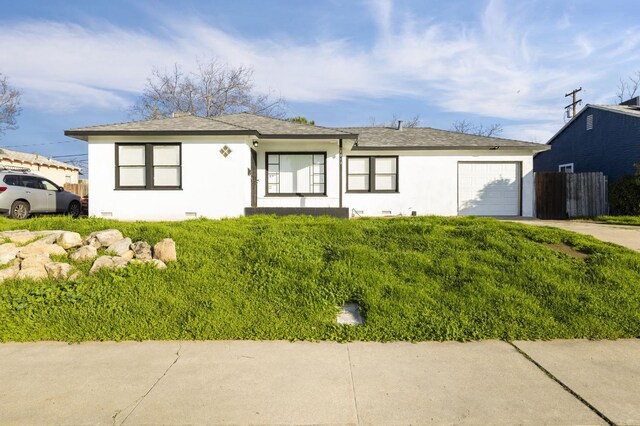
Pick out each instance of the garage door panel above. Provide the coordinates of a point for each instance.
(489, 189)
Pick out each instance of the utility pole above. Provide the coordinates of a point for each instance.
(574, 103)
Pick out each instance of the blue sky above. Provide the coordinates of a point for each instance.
(340, 63)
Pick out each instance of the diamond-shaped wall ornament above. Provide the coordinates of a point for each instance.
(225, 151)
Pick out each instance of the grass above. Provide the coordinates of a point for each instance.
(421, 278)
(619, 220)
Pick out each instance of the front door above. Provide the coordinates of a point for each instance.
(254, 178)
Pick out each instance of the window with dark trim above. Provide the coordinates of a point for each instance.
(299, 173)
(148, 166)
(372, 174)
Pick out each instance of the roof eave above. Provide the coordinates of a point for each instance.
(451, 148)
(309, 136)
(84, 134)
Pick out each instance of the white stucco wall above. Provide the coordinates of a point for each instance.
(428, 183)
(212, 186)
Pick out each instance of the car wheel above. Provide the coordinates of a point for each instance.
(19, 210)
(74, 209)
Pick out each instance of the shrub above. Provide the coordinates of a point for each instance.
(625, 195)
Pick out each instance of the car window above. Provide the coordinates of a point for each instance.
(48, 185)
(32, 182)
(12, 180)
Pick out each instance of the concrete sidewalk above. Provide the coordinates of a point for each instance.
(248, 382)
(623, 235)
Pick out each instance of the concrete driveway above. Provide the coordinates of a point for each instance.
(626, 236)
(247, 382)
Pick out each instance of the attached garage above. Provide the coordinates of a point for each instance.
(489, 188)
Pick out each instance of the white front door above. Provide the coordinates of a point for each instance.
(489, 188)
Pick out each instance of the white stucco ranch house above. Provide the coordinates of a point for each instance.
(243, 164)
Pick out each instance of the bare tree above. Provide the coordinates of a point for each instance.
(464, 126)
(214, 89)
(9, 105)
(627, 89)
(393, 122)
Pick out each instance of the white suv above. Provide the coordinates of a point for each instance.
(23, 193)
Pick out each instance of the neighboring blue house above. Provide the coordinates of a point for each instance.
(600, 138)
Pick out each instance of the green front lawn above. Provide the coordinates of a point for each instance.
(422, 278)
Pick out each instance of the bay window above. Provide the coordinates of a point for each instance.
(296, 173)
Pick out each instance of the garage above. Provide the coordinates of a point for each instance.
(489, 188)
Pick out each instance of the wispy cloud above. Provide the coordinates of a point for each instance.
(504, 65)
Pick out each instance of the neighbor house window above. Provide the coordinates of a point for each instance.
(566, 168)
(296, 174)
(67, 179)
(372, 174)
(148, 166)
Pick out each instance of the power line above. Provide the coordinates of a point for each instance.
(38, 144)
(70, 155)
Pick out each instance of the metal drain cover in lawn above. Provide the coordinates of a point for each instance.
(349, 314)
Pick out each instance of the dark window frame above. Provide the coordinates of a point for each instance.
(372, 175)
(294, 194)
(149, 167)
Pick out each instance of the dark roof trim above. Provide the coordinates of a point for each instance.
(83, 134)
(311, 136)
(450, 148)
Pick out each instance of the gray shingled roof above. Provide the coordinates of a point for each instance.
(231, 124)
(370, 138)
(273, 128)
(184, 124)
(36, 159)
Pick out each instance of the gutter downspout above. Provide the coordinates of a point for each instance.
(340, 180)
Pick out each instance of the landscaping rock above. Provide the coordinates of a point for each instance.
(11, 271)
(39, 248)
(129, 254)
(119, 262)
(165, 250)
(142, 250)
(159, 264)
(33, 267)
(84, 253)
(77, 275)
(103, 262)
(58, 270)
(19, 237)
(8, 252)
(104, 238)
(68, 240)
(120, 247)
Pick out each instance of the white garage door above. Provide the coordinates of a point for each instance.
(489, 189)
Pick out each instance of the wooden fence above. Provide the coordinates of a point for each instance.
(569, 195)
(81, 188)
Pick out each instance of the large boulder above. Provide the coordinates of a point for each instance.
(84, 253)
(19, 237)
(103, 238)
(165, 250)
(142, 250)
(119, 262)
(129, 254)
(39, 248)
(68, 240)
(58, 270)
(8, 252)
(10, 271)
(103, 262)
(120, 247)
(33, 268)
